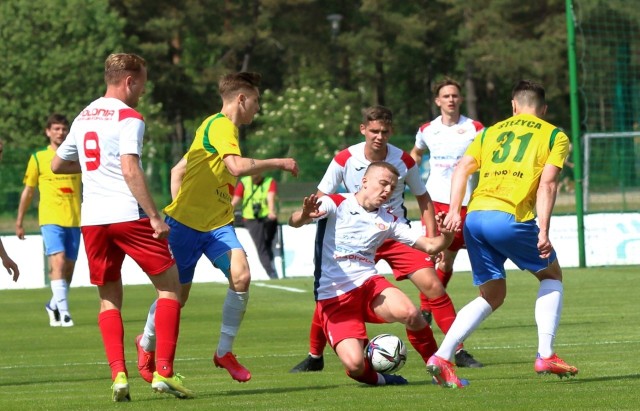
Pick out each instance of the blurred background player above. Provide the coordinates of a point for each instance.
(519, 161)
(256, 195)
(201, 218)
(119, 217)
(347, 168)
(446, 138)
(58, 217)
(349, 290)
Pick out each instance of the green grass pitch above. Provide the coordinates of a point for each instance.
(44, 368)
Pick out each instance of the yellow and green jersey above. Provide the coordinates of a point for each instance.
(59, 193)
(511, 155)
(204, 199)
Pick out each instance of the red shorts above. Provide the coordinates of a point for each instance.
(345, 316)
(106, 246)
(458, 238)
(403, 259)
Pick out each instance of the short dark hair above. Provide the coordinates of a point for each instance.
(57, 118)
(447, 81)
(232, 84)
(377, 113)
(119, 65)
(529, 93)
(383, 164)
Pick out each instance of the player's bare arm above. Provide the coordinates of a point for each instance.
(25, 201)
(465, 167)
(309, 211)
(177, 174)
(134, 177)
(417, 154)
(9, 264)
(243, 166)
(546, 199)
(60, 166)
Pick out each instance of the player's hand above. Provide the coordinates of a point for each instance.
(290, 165)
(160, 228)
(12, 268)
(436, 258)
(452, 222)
(544, 245)
(311, 207)
(20, 232)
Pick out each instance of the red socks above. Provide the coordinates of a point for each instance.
(317, 339)
(369, 376)
(110, 324)
(167, 328)
(423, 342)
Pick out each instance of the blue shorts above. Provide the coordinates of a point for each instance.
(188, 245)
(494, 236)
(59, 239)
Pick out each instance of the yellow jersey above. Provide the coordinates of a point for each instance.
(511, 155)
(59, 193)
(204, 199)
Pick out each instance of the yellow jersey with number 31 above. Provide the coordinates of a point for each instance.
(204, 199)
(511, 156)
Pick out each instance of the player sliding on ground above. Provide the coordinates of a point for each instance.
(349, 290)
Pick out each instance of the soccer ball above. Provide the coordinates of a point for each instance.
(386, 353)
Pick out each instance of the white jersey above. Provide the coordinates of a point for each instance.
(99, 135)
(446, 145)
(348, 236)
(349, 165)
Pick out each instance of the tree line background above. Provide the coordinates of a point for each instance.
(321, 61)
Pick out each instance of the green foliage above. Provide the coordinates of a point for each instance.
(310, 124)
(53, 54)
(46, 368)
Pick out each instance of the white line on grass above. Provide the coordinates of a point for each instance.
(279, 287)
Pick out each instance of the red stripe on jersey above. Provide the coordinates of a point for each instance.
(425, 125)
(66, 190)
(126, 113)
(342, 157)
(336, 198)
(408, 160)
(478, 125)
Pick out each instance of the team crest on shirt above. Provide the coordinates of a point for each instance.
(461, 131)
(382, 226)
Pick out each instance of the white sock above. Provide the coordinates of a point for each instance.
(148, 340)
(233, 309)
(60, 292)
(547, 313)
(467, 320)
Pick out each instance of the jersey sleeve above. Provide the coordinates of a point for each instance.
(32, 173)
(475, 148)
(131, 132)
(404, 234)
(68, 150)
(239, 190)
(328, 206)
(421, 142)
(559, 150)
(414, 181)
(273, 187)
(226, 138)
(332, 179)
